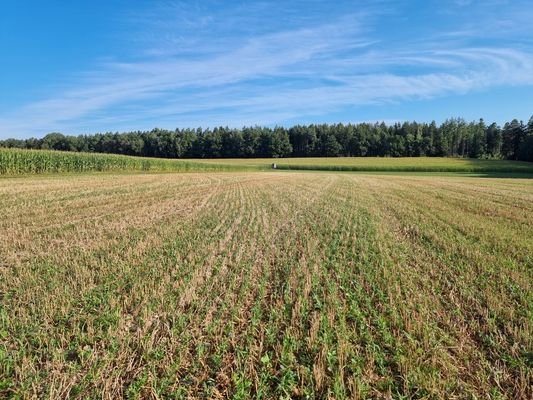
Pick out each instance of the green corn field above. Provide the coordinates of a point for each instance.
(17, 161)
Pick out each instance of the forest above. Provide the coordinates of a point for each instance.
(453, 138)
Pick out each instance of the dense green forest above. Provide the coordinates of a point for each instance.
(453, 138)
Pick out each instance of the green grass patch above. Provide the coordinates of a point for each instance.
(384, 164)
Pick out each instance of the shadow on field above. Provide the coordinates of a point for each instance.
(514, 175)
(477, 168)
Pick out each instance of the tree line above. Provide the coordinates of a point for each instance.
(453, 138)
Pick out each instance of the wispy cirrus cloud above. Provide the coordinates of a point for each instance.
(267, 77)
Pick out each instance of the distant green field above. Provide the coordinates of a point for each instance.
(16, 162)
(404, 164)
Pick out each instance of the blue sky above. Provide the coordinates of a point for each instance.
(95, 66)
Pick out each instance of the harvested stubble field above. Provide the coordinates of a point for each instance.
(266, 285)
